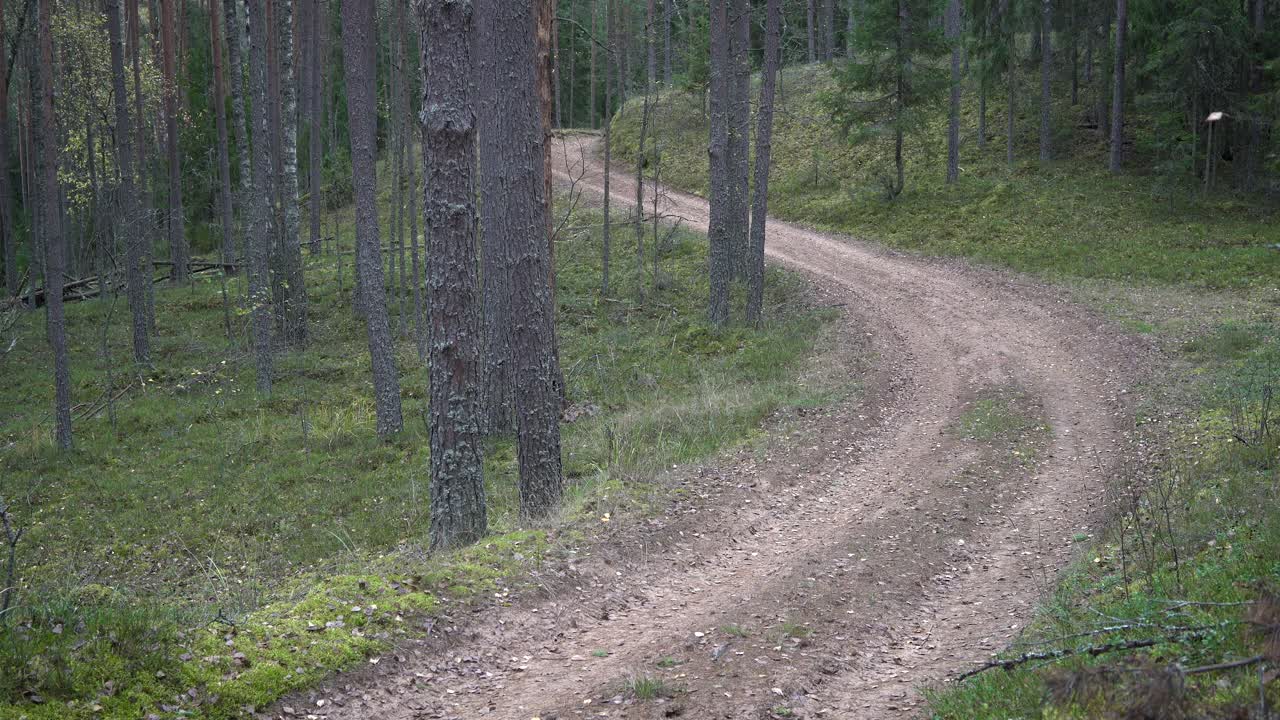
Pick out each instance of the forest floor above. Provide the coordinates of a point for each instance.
(884, 543)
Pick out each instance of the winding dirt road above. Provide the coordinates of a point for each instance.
(872, 551)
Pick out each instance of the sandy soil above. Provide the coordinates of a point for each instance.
(871, 551)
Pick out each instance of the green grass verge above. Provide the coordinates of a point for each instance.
(202, 551)
(1068, 219)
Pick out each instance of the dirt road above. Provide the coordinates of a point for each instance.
(874, 550)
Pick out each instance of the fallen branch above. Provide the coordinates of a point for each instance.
(1090, 650)
(1225, 666)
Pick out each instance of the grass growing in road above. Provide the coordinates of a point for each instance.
(203, 544)
(1188, 563)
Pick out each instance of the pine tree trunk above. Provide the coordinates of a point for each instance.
(720, 261)
(651, 45)
(1075, 57)
(666, 43)
(591, 115)
(399, 124)
(1117, 93)
(316, 122)
(953, 124)
(7, 238)
(235, 31)
(146, 222)
(40, 64)
(295, 285)
(764, 146)
(518, 226)
(458, 514)
(606, 246)
(220, 121)
(258, 234)
(415, 131)
(829, 26)
(359, 41)
(740, 137)
(127, 216)
(1046, 73)
(548, 90)
(811, 21)
(179, 252)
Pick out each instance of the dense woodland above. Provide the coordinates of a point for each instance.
(154, 149)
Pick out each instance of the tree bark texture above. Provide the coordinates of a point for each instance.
(764, 146)
(40, 65)
(1046, 74)
(953, 125)
(720, 254)
(518, 226)
(220, 121)
(179, 252)
(258, 235)
(1117, 93)
(458, 515)
(295, 285)
(128, 219)
(359, 41)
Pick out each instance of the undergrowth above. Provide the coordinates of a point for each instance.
(203, 551)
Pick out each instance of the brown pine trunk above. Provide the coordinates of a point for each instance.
(220, 120)
(7, 238)
(258, 233)
(458, 514)
(508, 38)
(40, 65)
(764, 146)
(179, 252)
(720, 266)
(359, 40)
(127, 216)
(1117, 93)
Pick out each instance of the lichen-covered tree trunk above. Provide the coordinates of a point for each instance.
(235, 65)
(739, 112)
(408, 111)
(1046, 74)
(359, 40)
(315, 113)
(1117, 93)
(258, 233)
(40, 65)
(764, 146)
(953, 125)
(458, 514)
(518, 226)
(128, 220)
(179, 252)
(7, 237)
(811, 19)
(496, 274)
(220, 121)
(295, 284)
(145, 221)
(720, 254)
(829, 28)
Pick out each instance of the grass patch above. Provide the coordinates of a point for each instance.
(794, 630)
(736, 631)
(203, 544)
(646, 687)
(666, 663)
(999, 415)
(1068, 219)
